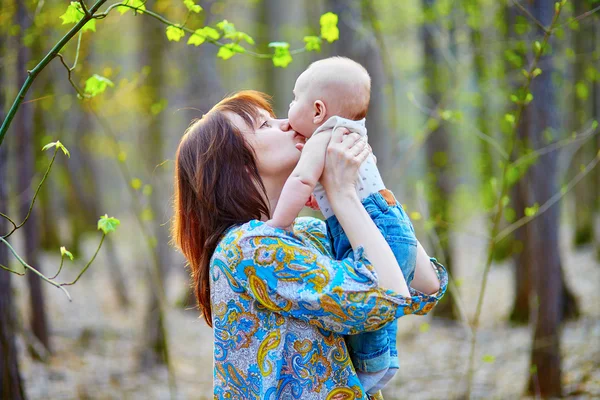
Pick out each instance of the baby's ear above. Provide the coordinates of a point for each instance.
(319, 112)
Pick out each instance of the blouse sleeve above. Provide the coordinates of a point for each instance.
(293, 278)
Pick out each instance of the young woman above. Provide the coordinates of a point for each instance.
(277, 300)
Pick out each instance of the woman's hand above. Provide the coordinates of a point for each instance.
(345, 153)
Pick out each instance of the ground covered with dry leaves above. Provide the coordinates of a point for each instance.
(96, 341)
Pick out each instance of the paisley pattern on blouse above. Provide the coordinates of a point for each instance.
(281, 305)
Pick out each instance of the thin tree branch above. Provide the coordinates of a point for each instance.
(500, 205)
(62, 260)
(13, 271)
(551, 201)
(84, 7)
(438, 116)
(530, 16)
(582, 16)
(69, 70)
(556, 145)
(32, 75)
(88, 264)
(35, 271)
(34, 197)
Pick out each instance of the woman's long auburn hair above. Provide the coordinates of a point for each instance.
(217, 185)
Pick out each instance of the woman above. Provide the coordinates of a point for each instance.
(277, 300)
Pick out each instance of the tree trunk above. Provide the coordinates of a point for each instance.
(11, 386)
(155, 348)
(596, 108)
(585, 190)
(438, 157)
(25, 174)
(524, 251)
(546, 265)
(523, 255)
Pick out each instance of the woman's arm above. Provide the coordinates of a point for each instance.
(426, 279)
(345, 153)
(302, 181)
(298, 278)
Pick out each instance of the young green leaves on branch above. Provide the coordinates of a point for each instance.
(96, 85)
(138, 4)
(74, 14)
(58, 145)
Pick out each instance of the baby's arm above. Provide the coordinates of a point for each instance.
(302, 181)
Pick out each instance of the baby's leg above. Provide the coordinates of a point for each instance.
(369, 351)
(399, 233)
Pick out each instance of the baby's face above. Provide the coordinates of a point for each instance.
(300, 113)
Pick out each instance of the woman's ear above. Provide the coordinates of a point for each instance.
(320, 111)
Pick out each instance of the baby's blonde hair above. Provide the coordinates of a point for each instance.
(343, 84)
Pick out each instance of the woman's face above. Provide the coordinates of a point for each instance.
(274, 143)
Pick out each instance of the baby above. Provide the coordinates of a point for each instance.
(332, 93)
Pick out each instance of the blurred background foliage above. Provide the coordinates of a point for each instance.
(452, 122)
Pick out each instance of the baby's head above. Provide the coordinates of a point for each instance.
(333, 86)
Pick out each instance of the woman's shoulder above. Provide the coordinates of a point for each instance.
(306, 229)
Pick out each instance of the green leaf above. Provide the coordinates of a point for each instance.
(509, 118)
(58, 145)
(329, 29)
(238, 36)
(200, 35)
(227, 51)
(538, 46)
(525, 73)
(531, 211)
(528, 98)
(89, 26)
(446, 115)
(139, 4)
(108, 224)
(594, 125)
(536, 72)
(174, 33)
(193, 7)
(533, 369)
(226, 26)
(281, 57)
(97, 84)
(73, 14)
(136, 183)
(65, 252)
(582, 90)
(514, 98)
(313, 43)
(488, 358)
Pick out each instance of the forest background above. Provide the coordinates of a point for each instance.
(483, 119)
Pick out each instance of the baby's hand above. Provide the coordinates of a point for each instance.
(312, 203)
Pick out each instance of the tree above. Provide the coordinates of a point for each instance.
(11, 386)
(525, 251)
(438, 153)
(25, 149)
(585, 193)
(155, 348)
(546, 265)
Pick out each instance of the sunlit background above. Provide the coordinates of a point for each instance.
(476, 106)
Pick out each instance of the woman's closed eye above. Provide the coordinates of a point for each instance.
(265, 124)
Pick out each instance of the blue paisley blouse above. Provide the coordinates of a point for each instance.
(281, 305)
